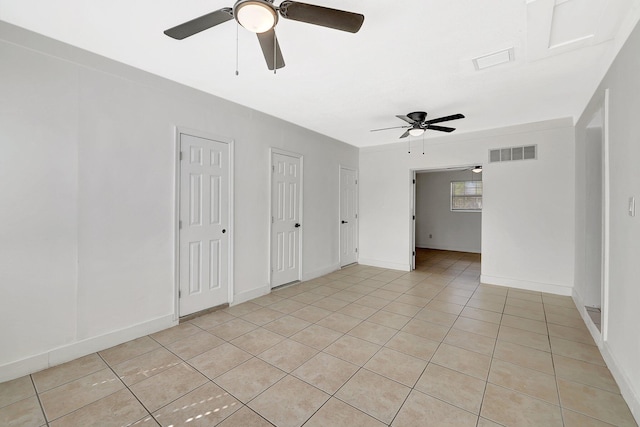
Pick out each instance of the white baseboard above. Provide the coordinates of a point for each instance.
(447, 248)
(250, 294)
(593, 330)
(384, 264)
(264, 290)
(320, 272)
(527, 285)
(81, 348)
(629, 393)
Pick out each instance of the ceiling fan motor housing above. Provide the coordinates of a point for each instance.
(418, 116)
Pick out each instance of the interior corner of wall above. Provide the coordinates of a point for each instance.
(245, 296)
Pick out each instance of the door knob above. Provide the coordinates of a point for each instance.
(345, 222)
(224, 230)
(297, 225)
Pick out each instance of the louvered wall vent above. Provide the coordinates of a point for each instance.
(527, 152)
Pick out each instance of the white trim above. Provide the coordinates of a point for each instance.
(181, 130)
(629, 393)
(606, 220)
(551, 288)
(81, 348)
(593, 330)
(412, 214)
(357, 242)
(176, 225)
(231, 259)
(300, 157)
(320, 272)
(384, 264)
(251, 294)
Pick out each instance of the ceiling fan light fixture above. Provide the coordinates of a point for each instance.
(255, 15)
(476, 169)
(416, 131)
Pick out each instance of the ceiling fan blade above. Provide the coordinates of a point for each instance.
(441, 128)
(269, 44)
(404, 135)
(395, 127)
(444, 119)
(406, 119)
(202, 23)
(323, 16)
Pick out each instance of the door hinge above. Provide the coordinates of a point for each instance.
(356, 182)
(272, 220)
(179, 293)
(180, 224)
(181, 155)
(273, 168)
(356, 216)
(414, 181)
(356, 250)
(414, 253)
(414, 217)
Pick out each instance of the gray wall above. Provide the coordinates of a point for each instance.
(451, 231)
(87, 214)
(621, 317)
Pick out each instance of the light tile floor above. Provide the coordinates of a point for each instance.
(359, 347)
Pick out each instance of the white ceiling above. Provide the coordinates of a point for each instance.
(410, 55)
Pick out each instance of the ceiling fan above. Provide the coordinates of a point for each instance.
(261, 17)
(418, 123)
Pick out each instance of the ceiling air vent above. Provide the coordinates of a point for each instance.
(513, 153)
(493, 59)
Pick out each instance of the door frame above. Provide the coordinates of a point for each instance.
(606, 215)
(178, 131)
(340, 168)
(272, 151)
(412, 215)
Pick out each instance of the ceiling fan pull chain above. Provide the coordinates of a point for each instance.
(275, 50)
(237, 27)
(409, 144)
(423, 144)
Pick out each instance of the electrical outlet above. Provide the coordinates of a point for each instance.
(632, 206)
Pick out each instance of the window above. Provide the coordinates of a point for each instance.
(466, 196)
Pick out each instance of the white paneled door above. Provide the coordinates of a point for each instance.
(286, 183)
(204, 223)
(348, 216)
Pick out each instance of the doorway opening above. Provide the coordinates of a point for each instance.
(446, 210)
(594, 253)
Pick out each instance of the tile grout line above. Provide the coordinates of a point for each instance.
(127, 386)
(46, 418)
(440, 292)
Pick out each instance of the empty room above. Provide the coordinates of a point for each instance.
(339, 213)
